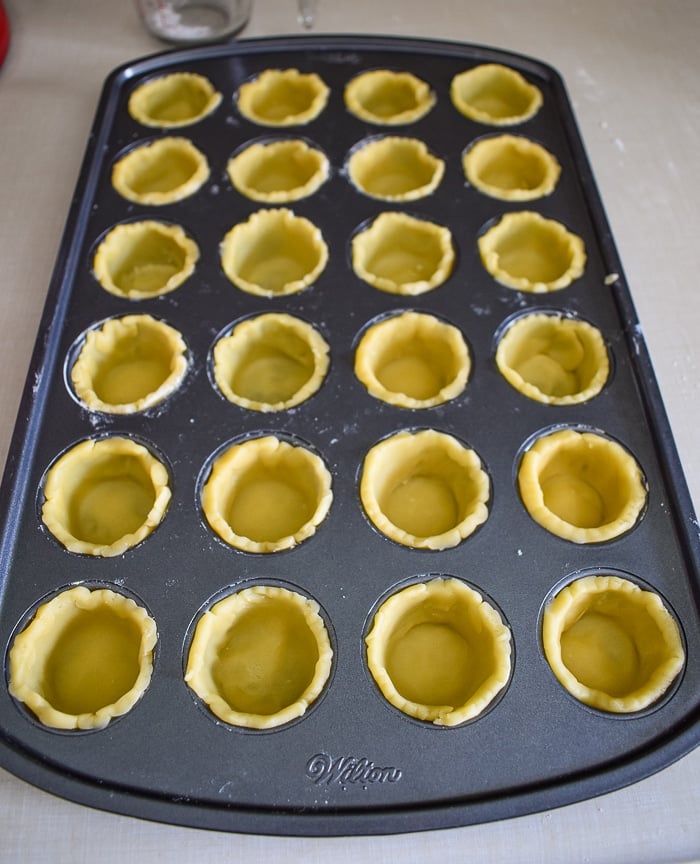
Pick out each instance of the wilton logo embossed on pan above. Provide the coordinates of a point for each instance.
(347, 770)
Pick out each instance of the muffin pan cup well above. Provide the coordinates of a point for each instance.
(354, 764)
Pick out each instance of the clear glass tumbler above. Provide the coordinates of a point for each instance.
(190, 21)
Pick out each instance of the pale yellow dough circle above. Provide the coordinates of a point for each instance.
(439, 652)
(266, 494)
(611, 644)
(413, 360)
(271, 362)
(104, 496)
(283, 97)
(140, 260)
(278, 172)
(527, 252)
(394, 168)
(401, 254)
(260, 657)
(424, 489)
(389, 98)
(160, 172)
(553, 359)
(511, 168)
(581, 486)
(495, 95)
(85, 658)
(174, 100)
(129, 364)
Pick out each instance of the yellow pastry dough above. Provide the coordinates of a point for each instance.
(439, 652)
(104, 496)
(129, 364)
(511, 168)
(495, 95)
(274, 253)
(581, 486)
(529, 253)
(174, 100)
(271, 362)
(266, 495)
(553, 359)
(413, 360)
(139, 260)
(424, 489)
(612, 644)
(260, 657)
(283, 97)
(85, 657)
(395, 169)
(390, 98)
(403, 255)
(278, 172)
(160, 172)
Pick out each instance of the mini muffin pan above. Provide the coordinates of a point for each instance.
(351, 763)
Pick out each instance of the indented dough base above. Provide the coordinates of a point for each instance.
(495, 95)
(169, 101)
(511, 168)
(283, 97)
(438, 652)
(278, 172)
(395, 169)
(160, 172)
(390, 98)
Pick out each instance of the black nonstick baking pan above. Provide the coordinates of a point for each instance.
(352, 764)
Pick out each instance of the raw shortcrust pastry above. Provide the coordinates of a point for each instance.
(274, 253)
(400, 254)
(553, 359)
(169, 101)
(260, 657)
(529, 253)
(139, 260)
(160, 172)
(266, 495)
(278, 172)
(388, 98)
(85, 657)
(495, 95)
(129, 364)
(104, 496)
(439, 652)
(413, 360)
(581, 486)
(424, 489)
(612, 644)
(395, 169)
(283, 97)
(271, 362)
(511, 168)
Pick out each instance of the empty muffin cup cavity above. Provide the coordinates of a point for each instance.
(174, 100)
(283, 97)
(274, 253)
(266, 494)
(271, 362)
(85, 657)
(612, 644)
(553, 359)
(278, 172)
(160, 172)
(581, 485)
(424, 489)
(511, 168)
(439, 652)
(413, 360)
(139, 260)
(103, 496)
(401, 254)
(395, 169)
(529, 253)
(260, 657)
(129, 364)
(387, 97)
(495, 95)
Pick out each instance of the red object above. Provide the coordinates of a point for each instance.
(4, 32)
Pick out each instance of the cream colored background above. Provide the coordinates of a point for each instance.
(633, 73)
